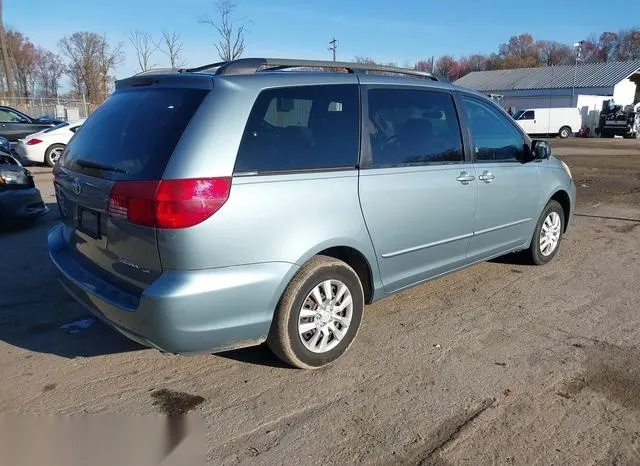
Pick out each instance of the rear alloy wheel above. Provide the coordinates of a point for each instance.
(53, 153)
(564, 132)
(319, 314)
(548, 234)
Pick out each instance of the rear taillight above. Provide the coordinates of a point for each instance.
(168, 203)
(33, 141)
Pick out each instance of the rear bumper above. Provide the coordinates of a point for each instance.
(22, 204)
(29, 153)
(186, 311)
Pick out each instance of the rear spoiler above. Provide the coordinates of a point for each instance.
(166, 78)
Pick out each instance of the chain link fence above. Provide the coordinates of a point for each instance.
(63, 109)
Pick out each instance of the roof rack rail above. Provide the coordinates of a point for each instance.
(254, 65)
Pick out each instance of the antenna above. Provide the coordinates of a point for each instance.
(333, 46)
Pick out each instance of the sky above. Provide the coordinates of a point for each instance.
(399, 31)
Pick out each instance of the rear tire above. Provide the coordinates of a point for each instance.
(564, 132)
(53, 153)
(547, 235)
(311, 329)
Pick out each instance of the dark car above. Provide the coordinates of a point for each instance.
(15, 125)
(20, 200)
(5, 145)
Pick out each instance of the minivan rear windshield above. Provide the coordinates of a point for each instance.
(134, 131)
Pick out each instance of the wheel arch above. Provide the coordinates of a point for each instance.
(568, 127)
(561, 196)
(46, 151)
(363, 264)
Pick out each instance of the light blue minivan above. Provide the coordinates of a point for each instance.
(271, 199)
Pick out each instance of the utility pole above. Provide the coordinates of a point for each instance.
(578, 47)
(333, 46)
(5, 56)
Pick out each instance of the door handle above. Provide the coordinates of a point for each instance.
(487, 176)
(465, 178)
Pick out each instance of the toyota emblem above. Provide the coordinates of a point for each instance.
(77, 187)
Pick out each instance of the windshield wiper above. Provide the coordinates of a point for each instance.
(100, 166)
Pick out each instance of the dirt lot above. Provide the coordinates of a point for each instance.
(499, 364)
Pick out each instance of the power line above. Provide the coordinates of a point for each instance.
(333, 46)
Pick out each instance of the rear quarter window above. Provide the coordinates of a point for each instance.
(134, 131)
(301, 128)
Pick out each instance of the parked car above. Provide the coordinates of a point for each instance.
(15, 125)
(550, 121)
(226, 205)
(20, 200)
(47, 145)
(5, 146)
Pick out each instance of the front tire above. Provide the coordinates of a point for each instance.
(547, 234)
(53, 153)
(564, 132)
(319, 314)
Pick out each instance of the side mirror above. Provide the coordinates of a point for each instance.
(541, 150)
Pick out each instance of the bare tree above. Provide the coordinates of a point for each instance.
(5, 55)
(171, 46)
(49, 70)
(108, 59)
(91, 59)
(22, 54)
(144, 47)
(230, 43)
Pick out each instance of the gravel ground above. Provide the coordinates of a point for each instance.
(501, 363)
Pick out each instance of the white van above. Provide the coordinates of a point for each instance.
(561, 121)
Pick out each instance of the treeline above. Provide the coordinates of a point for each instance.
(86, 58)
(523, 51)
(89, 60)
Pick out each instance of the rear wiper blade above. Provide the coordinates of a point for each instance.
(100, 166)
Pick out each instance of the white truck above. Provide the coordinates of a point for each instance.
(561, 121)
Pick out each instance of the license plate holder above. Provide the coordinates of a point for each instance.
(89, 222)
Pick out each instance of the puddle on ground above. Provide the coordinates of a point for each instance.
(610, 370)
(626, 228)
(613, 370)
(175, 403)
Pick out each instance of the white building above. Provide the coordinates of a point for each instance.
(584, 86)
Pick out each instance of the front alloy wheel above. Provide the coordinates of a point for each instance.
(548, 234)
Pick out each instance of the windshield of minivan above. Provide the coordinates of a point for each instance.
(135, 131)
(518, 114)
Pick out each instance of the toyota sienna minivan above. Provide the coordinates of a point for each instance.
(271, 199)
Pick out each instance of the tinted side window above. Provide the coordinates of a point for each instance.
(528, 115)
(494, 137)
(409, 126)
(8, 116)
(301, 128)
